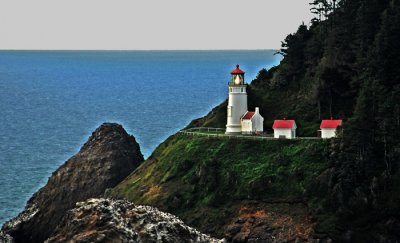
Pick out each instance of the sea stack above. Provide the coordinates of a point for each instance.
(104, 160)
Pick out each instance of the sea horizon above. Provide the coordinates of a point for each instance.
(147, 50)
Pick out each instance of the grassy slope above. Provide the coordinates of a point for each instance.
(203, 179)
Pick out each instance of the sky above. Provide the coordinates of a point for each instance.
(149, 24)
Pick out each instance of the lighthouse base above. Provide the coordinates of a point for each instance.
(233, 129)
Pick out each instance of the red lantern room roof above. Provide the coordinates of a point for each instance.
(237, 70)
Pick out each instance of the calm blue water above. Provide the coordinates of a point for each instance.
(51, 101)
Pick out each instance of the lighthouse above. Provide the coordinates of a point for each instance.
(237, 102)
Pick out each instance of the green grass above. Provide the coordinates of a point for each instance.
(200, 179)
(195, 173)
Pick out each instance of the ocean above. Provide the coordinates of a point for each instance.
(51, 102)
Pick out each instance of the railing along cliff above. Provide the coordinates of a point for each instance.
(220, 132)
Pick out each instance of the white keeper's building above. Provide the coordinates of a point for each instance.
(329, 128)
(252, 122)
(284, 129)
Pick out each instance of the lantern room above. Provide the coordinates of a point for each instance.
(237, 76)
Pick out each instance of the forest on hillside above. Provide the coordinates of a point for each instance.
(346, 64)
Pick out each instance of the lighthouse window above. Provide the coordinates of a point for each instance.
(229, 111)
(241, 90)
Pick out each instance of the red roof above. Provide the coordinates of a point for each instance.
(248, 115)
(283, 124)
(237, 70)
(330, 123)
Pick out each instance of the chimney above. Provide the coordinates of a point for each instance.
(257, 110)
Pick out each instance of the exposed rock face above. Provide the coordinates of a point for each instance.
(104, 220)
(260, 222)
(104, 160)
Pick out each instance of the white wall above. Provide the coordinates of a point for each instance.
(237, 104)
(287, 132)
(247, 126)
(258, 123)
(328, 132)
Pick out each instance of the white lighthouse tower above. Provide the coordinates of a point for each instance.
(237, 103)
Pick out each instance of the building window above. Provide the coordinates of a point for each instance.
(241, 90)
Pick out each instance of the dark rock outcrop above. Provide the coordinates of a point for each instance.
(280, 221)
(5, 238)
(105, 220)
(104, 160)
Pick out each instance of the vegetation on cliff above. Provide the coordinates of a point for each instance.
(213, 171)
(206, 180)
(344, 65)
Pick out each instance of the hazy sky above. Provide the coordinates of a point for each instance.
(149, 24)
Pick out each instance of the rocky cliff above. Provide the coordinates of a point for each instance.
(104, 220)
(104, 160)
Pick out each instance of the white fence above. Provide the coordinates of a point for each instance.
(220, 132)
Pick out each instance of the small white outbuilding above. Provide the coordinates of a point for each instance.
(284, 129)
(252, 122)
(329, 128)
